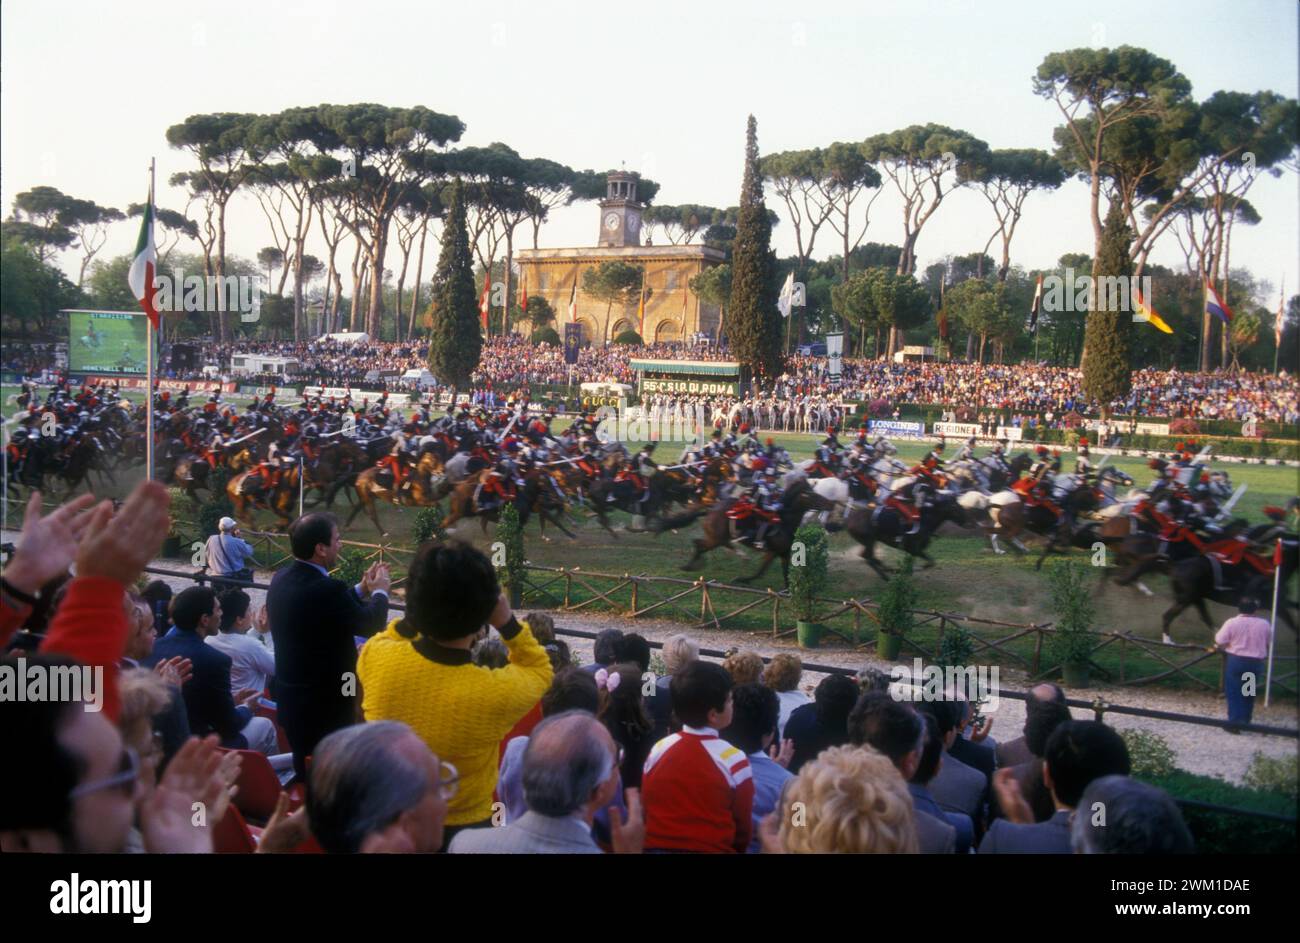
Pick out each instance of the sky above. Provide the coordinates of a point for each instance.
(89, 90)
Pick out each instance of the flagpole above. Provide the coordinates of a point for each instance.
(1277, 591)
(149, 358)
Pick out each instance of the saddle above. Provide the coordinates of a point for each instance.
(1233, 552)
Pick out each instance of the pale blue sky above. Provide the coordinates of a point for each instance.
(90, 88)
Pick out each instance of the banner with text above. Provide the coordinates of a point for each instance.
(172, 386)
(1010, 433)
(961, 430)
(834, 356)
(358, 396)
(890, 427)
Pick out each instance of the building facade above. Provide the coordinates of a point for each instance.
(672, 311)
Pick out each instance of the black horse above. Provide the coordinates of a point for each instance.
(1198, 579)
(884, 524)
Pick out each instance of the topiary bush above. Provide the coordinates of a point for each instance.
(350, 566)
(1150, 754)
(510, 537)
(1072, 603)
(428, 525)
(957, 648)
(808, 575)
(896, 601)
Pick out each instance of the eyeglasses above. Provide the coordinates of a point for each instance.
(448, 779)
(124, 779)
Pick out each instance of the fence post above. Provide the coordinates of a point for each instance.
(568, 586)
(1038, 649)
(938, 645)
(635, 583)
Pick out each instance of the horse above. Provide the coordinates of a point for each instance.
(885, 523)
(664, 488)
(282, 501)
(376, 484)
(1076, 499)
(1195, 580)
(538, 495)
(796, 501)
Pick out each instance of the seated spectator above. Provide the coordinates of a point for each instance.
(745, 667)
(956, 786)
(933, 756)
(159, 597)
(895, 729)
(679, 651)
(209, 700)
(604, 651)
(782, 675)
(1140, 820)
(853, 801)
(82, 789)
(251, 663)
(1042, 717)
(754, 715)
(635, 649)
(1078, 752)
(171, 722)
(1015, 752)
(823, 723)
(570, 771)
(419, 671)
(377, 788)
(971, 744)
(698, 789)
(490, 653)
(623, 712)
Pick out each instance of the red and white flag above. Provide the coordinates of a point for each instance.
(141, 275)
(483, 305)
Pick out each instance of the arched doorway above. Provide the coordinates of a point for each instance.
(621, 325)
(667, 330)
(590, 335)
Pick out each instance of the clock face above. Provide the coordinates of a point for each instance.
(611, 221)
(633, 222)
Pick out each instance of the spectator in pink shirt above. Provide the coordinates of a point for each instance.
(1244, 639)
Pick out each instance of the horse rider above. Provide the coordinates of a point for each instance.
(767, 503)
(967, 452)
(497, 487)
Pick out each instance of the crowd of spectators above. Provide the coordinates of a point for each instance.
(461, 727)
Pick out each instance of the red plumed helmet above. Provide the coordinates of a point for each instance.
(1041, 450)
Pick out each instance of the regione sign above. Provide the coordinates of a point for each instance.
(958, 429)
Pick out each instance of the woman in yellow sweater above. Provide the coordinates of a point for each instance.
(419, 671)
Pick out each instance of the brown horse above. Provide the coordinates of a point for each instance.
(282, 501)
(797, 500)
(538, 496)
(375, 484)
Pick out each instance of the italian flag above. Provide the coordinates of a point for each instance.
(143, 265)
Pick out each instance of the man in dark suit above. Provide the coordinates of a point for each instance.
(899, 732)
(975, 751)
(956, 786)
(315, 621)
(1078, 752)
(1015, 752)
(209, 703)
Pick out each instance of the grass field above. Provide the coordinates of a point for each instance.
(968, 580)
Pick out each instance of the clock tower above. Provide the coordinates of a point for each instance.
(620, 212)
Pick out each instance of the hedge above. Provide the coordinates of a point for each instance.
(1223, 833)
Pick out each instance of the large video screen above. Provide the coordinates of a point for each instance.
(106, 342)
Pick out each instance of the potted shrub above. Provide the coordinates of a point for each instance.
(510, 539)
(428, 525)
(894, 610)
(1072, 642)
(809, 565)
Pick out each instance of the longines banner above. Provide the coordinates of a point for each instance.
(172, 386)
(889, 427)
(958, 429)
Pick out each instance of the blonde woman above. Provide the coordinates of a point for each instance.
(679, 651)
(849, 800)
(782, 675)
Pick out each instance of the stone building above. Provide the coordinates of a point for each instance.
(672, 311)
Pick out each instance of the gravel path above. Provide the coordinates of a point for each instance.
(1199, 749)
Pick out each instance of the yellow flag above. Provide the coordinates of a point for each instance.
(1147, 313)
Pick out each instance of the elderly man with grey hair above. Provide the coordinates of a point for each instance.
(377, 788)
(1121, 816)
(570, 770)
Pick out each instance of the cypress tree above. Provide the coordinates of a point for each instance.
(1107, 374)
(455, 340)
(753, 322)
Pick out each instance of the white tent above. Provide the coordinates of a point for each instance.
(421, 377)
(349, 337)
